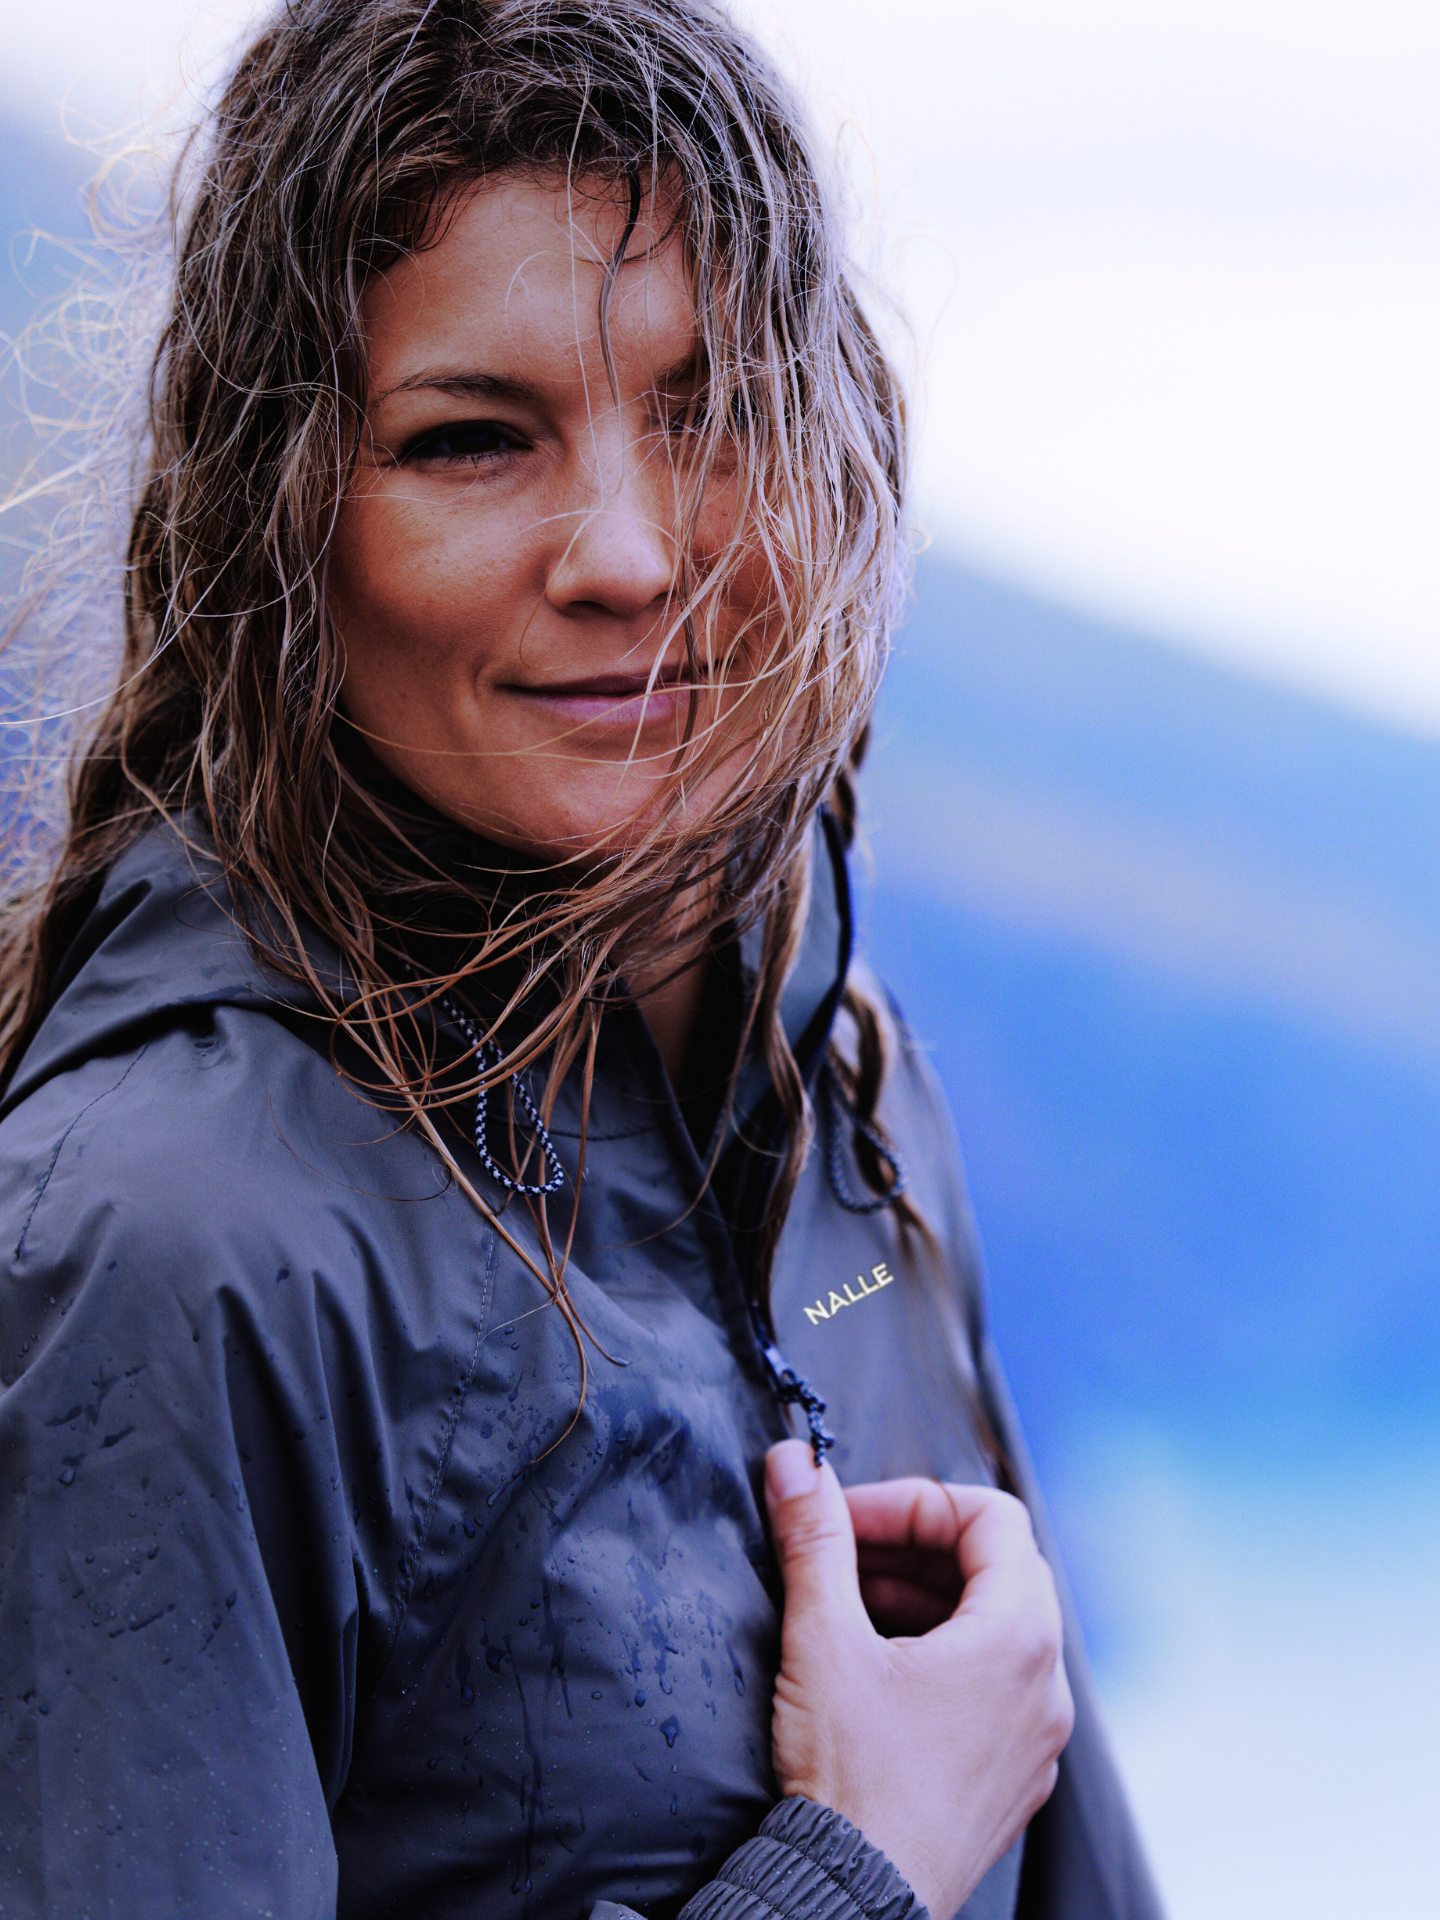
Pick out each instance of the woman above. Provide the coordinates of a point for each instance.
(440, 1091)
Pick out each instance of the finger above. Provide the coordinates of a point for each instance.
(986, 1533)
(814, 1540)
(1002, 1565)
(915, 1513)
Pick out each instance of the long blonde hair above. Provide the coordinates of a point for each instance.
(342, 140)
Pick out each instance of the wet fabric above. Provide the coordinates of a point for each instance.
(323, 1588)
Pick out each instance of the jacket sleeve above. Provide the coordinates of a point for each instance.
(178, 1598)
(806, 1863)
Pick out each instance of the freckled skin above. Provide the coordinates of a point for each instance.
(509, 540)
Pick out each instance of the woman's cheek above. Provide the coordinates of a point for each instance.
(719, 519)
(405, 591)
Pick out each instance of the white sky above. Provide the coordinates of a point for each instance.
(1174, 274)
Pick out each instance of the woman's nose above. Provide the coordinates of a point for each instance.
(617, 550)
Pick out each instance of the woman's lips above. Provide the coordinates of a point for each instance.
(619, 700)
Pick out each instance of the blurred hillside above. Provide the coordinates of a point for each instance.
(1175, 940)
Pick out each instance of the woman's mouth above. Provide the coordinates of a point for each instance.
(619, 700)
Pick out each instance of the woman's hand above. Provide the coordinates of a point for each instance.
(940, 1747)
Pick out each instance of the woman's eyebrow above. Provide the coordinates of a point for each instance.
(464, 383)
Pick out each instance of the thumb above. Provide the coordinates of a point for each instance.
(813, 1532)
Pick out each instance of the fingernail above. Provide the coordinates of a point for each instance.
(790, 1470)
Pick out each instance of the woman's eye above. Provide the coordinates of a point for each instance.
(461, 443)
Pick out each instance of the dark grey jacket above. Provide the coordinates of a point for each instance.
(316, 1597)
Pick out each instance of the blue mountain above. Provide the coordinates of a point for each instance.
(1174, 939)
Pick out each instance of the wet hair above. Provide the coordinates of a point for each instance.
(341, 144)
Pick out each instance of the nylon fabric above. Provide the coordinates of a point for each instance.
(317, 1594)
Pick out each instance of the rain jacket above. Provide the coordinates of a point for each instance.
(318, 1596)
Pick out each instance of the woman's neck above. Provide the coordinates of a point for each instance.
(670, 990)
(671, 1009)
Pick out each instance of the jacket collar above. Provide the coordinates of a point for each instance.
(812, 994)
(163, 942)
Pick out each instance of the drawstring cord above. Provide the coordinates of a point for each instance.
(839, 1110)
(487, 1054)
(795, 1390)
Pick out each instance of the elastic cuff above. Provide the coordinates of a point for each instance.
(807, 1863)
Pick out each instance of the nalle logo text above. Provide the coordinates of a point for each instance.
(880, 1276)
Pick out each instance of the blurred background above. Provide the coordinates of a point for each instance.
(1153, 810)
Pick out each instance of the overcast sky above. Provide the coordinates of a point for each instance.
(1174, 275)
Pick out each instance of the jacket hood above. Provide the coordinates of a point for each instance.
(165, 941)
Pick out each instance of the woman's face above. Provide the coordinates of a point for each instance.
(503, 565)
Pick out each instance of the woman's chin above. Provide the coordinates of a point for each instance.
(575, 839)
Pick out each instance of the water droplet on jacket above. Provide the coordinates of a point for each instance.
(432, 1764)
(639, 1696)
(597, 1695)
(467, 1696)
(674, 1804)
(67, 1477)
(671, 1730)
